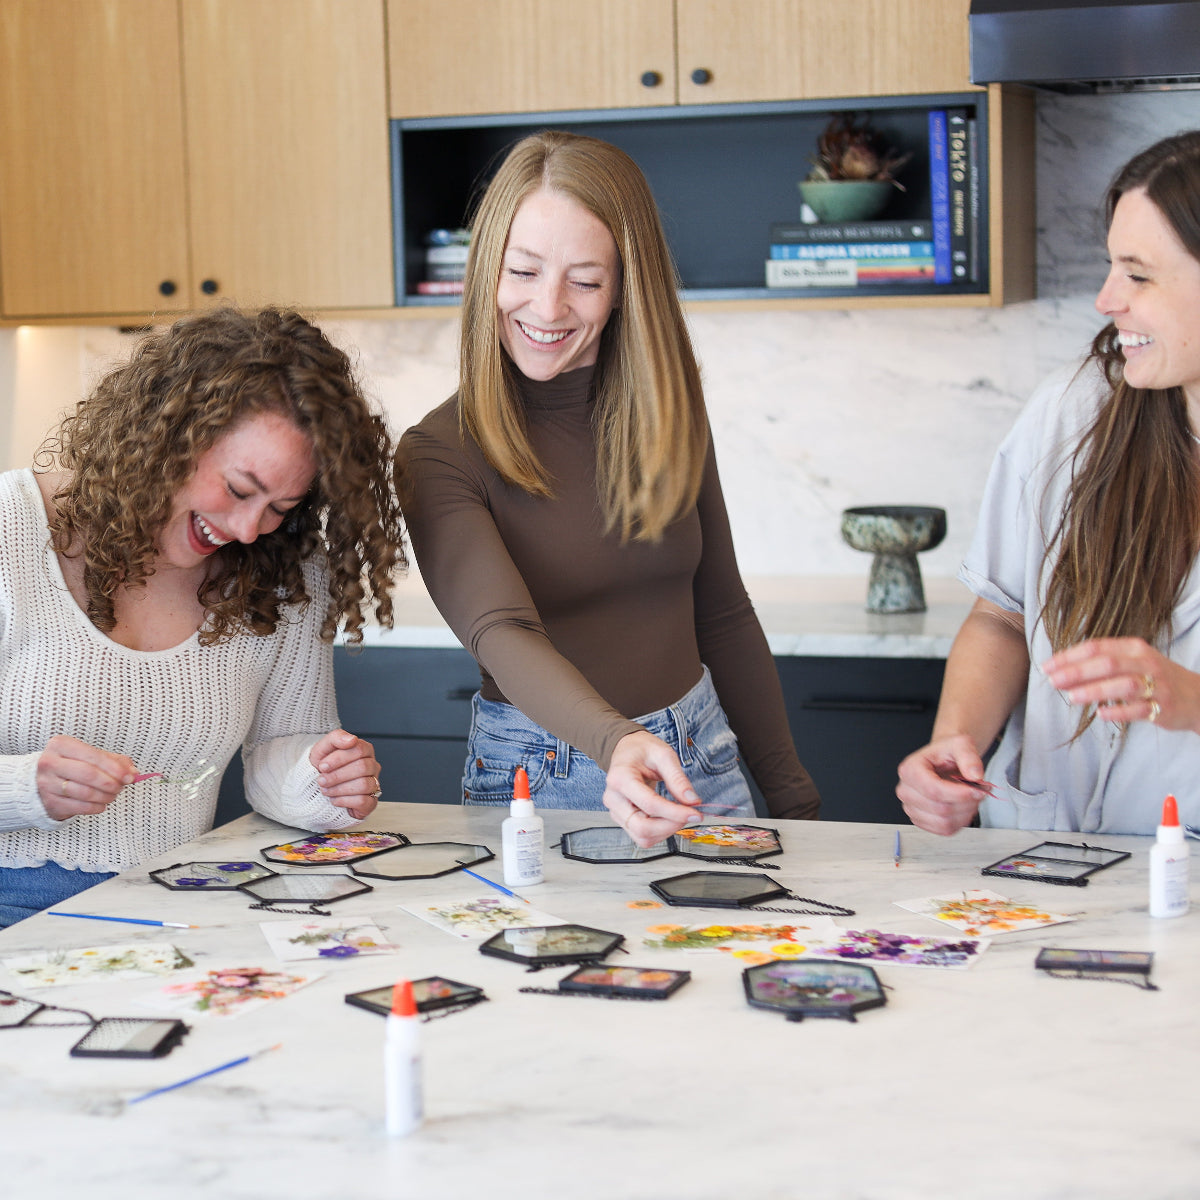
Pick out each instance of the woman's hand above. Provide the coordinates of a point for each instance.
(78, 780)
(639, 761)
(942, 785)
(1127, 680)
(349, 772)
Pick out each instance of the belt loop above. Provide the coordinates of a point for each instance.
(562, 759)
(683, 742)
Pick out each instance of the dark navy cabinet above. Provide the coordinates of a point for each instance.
(852, 719)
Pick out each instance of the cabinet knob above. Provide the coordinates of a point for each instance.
(209, 287)
(701, 76)
(651, 79)
(167, 287)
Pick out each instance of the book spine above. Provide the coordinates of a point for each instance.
(852, 250)
(958, 157)
(939, 194)
(811, 272)
(440, 287)
(845, 272)
(973, 198)
(852, 231)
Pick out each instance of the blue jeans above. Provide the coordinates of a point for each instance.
(502, 738)
(27, 890)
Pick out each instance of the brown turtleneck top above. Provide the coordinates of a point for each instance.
(578, 630)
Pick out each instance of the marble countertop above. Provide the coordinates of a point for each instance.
(976, 1083)
(814, 616)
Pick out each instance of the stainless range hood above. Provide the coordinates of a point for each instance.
(1087, 45)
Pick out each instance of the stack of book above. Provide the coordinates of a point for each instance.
(929, 251)
(445, 263)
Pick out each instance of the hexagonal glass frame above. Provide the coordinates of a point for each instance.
(210, 876)
(305, 889)
(333, 849)
(422, 860)
(718, 889)
(609, 844)
(726, 841)
(813, 987)
(540, 946)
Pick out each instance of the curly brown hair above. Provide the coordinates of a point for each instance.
(132, 444)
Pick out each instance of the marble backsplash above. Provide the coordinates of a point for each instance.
(817, 411)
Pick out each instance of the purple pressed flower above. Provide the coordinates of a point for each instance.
(192, 882)
(235, 867)
(337, 952)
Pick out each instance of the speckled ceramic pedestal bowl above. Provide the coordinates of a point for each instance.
(895, 534)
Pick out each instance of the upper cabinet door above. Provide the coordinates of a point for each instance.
(288, 151)
(748, 50)
(92, 212)
(450, 57)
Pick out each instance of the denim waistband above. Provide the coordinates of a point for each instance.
(670, 723)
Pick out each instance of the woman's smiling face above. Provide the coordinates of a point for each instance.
(559, 283)
(1152, 295)
(242, 487)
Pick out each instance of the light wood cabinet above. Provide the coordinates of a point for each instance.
(458, 57)
(753, 50)
(93, 213)
(546, 56)
(157, 155)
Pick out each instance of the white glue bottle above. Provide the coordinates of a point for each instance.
(402, 1063)
(1169, 866)
(521, 837)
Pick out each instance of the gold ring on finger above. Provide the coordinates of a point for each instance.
(1154, 711)
(1147, 687)
(64, 787)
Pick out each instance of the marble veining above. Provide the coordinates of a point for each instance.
(965, 1081)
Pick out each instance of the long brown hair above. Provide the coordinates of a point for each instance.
(1130, 528)
(651, 431)
(131, 445)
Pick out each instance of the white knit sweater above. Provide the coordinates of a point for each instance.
(165, 709)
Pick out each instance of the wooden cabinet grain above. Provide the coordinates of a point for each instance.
(158, 155)
(740, 50)
(543, 55)
(494, 56)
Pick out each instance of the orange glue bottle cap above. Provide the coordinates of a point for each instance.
(1170, 812)
(520, 784)
(404, 1003)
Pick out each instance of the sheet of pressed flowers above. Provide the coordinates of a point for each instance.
(295, 940)
(979, 911)
(757, 941)
(902, 949)
(228, 992)
(89, 964)
(480, 917)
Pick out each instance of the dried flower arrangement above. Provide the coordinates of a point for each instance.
(849, 148)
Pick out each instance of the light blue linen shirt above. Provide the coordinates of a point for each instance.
(1112, 779)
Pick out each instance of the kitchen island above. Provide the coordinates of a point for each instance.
(992, 1081)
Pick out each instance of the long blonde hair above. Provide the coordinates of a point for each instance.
(1130, 528)
(650, 427)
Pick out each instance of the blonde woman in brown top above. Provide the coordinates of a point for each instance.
(567, 517)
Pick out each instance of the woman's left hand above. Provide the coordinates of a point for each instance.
(349, 772)
(1127, 680)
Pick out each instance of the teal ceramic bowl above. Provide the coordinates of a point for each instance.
(846, 199)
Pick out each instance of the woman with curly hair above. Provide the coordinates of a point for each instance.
(1083, 646)
(171, 579)
(568, 519)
